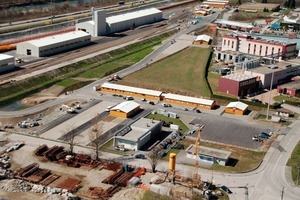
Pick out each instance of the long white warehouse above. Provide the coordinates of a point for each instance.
(131, 20)
(7, 62)
(54, 44)
(100, 25)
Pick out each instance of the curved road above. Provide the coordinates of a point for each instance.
(268, 182)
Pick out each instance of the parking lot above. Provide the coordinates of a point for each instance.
(230, 131)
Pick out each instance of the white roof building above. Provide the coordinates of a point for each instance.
(126, 106)
(234, 23)
(205, 38)
(5, 57)
(7, 62)
(189, 99)
(132, 15)
(239, 105)
(131, 89)
(140, 133)
(53, 44)
(102, 25)
(56, 39)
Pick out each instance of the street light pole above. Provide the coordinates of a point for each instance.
(270, 91)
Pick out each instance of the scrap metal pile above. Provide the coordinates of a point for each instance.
(34, 174)
(59, 154)
(120, 178)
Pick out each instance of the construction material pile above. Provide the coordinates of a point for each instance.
(15, 185)
(34, 174)
(59, 154)
(5, 172)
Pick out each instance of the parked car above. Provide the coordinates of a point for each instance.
(198, 111)
(255, 100)
(256, 138)
(226, 189)
(185, 108)
(140, 156)
(165, 105)
(128, 98)
(108, 108)
(151, 102)
(264, 135)
(143, 99)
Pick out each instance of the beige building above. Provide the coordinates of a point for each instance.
(237, 108)
(125, 109)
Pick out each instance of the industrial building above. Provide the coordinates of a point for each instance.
(130, 91)
(257, 46)
(216, 3)
(291, 88)
(54, 44)
(7, 62)
(259, 7)
(238, 84)
(237, 108)
(125, 109)
(202, 39)
(283, 72)
(234, 25)
(189, 101)
(102, 25)
(140, 132)
(209, 155)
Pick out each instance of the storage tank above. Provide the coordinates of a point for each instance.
(172, 161)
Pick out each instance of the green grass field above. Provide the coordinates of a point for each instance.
(294, 162)
(182, 73)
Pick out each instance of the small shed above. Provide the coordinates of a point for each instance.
(210, 155)
(202, 39)
(238, 108)
(125, 109)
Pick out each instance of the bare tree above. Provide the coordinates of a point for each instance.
(95, 133)
(70, 139)
(154, 158)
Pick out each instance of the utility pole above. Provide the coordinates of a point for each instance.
(271, 85)
(282, 192)
(246, 192)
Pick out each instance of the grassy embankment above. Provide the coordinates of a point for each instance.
(294, 162)
(97, 67)
(180, 73)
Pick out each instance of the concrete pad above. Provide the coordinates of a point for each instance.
(84, 137)
(76, 121)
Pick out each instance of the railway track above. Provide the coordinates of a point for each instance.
(130, 36)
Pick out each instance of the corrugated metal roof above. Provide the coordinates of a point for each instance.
(234, 23)
(189, 99)
(203, 37)
(131, 89)
(5, 56)
(57, 38)
(132, 15)
(126, 106)
(238, 105)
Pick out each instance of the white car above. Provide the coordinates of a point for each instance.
(185, 108)
(108, 108)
